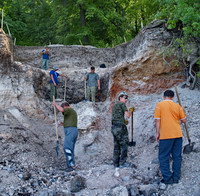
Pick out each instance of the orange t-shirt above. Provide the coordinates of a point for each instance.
(170, 114)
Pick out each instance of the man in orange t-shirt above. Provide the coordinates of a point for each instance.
(168, 116)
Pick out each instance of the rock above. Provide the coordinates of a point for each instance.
(133, 190)
(162, 186)
(196, 149)
(126, 178)
(116, 174)
(152, 139)
(197, 193)
(155, 161)
(148, 189)
(5, 117)
(66, 193)
(119, 191)
(26, 176)
(19, 116)
(77, 183)
(20, 176)
(87, 115)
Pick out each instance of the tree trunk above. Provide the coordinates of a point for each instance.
(83, 23)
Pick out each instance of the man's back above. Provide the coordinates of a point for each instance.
(70, 117)
(170, 114)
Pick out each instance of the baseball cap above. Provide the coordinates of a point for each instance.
(55, 68)
(123, 93)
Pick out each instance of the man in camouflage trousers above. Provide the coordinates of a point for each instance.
(119, 130)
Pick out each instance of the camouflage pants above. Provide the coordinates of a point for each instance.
(120, 134)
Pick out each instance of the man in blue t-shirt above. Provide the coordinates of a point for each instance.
(93, 82)
(54, 82)
(45, 58)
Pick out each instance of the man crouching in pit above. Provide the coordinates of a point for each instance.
(71, 132)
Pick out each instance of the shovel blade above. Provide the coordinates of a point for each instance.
(132, 143)
(188, 148)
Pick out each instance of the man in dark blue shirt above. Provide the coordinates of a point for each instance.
(45, 58)
(54, 82)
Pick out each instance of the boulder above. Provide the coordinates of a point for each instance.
(77, 183)
(119, 191)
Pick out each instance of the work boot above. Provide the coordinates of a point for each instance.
(170, 181)
(126, 164)
(116, 165)
(175, 181)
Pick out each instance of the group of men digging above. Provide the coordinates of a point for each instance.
(168, 116)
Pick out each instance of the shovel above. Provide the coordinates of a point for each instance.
(57, 141)
(65, 90)
(85, 86)
(132, 143)
(189, 147)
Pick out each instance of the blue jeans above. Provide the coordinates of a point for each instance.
(45, 64)
(71, 134)
(169, 147)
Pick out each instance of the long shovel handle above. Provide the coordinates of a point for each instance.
(131, 126)
(85, 88)
(65, 90)
(185, 126)
(55, 116)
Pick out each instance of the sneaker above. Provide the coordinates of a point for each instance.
(69, 169)
(175, 181)
(170, 181)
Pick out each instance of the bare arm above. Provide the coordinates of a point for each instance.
(98, 82)
(63, 75)
(58, 106)
(157, 129)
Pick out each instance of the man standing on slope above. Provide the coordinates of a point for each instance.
(45, 58)
(168, 116)
(119, 130)
(71, 132)
(93, 82)
(54, 82)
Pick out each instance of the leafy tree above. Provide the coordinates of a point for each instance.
(90, 22)
(95, 22)
(29, 21)
(185, 11)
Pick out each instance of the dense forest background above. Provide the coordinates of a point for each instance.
(94, 22)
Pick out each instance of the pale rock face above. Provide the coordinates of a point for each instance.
(19, 116)
(86, 114)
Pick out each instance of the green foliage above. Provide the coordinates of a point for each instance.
(99, 23)
(185, 11)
